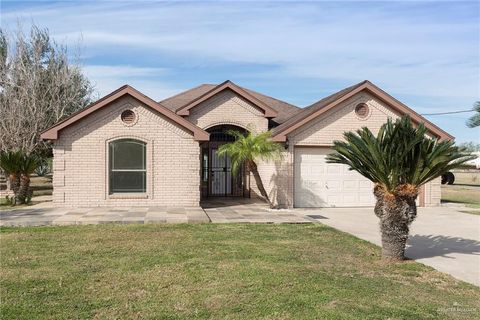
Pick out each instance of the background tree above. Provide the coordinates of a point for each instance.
(39, 85)
(474, 120)
(249, 149)
(470, 146)
(399, 160)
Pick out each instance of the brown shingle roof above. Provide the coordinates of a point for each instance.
(179, 100)
(284, 109)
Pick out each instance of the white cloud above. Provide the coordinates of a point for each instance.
(410, 52)
(407, 48)
(107, 78)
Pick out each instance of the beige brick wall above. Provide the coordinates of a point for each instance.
(322, 132)
(433, 193)
(228, 108)
(81, 156)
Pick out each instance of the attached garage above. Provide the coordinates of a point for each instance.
(321, 184)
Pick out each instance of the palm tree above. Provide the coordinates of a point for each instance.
(27, 166)
(10, 164)
(249, 149)
(399, 160)
(474, 120)
(18, 167)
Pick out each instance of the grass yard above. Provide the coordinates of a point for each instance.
(468, 195)
(236, 271)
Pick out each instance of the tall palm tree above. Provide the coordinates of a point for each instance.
(399, 160)
(249, 149)
(474, 120)
(18, 166)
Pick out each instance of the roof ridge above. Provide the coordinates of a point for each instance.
(185, 91)
(250, 90)
(230, 85)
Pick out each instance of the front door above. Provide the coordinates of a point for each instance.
(221, 174)
(217, 176)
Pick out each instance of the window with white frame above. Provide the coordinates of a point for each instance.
(127, 166)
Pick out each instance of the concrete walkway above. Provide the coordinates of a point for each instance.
(219, 210)
(440, 237)
(240, 210)
(47, 215)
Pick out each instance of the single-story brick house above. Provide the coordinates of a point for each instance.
(129, 150)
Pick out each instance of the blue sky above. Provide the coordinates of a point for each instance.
(425, 53)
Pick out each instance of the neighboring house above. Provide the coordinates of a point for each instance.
(128, 150)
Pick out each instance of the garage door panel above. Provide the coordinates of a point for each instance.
(349, 199)
(365, 184)
(321, 184)
(333, 185)
(350, 184)
(334, 169)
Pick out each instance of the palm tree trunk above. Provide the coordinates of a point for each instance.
(396, 213)
(258, 180)
(14, 186)
(24, 192)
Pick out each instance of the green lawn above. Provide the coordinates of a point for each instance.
(458, 194)
(236, 271)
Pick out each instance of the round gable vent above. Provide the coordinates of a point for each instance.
(128, 117)
(361, 110)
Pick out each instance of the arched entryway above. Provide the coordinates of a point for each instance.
(218, 179)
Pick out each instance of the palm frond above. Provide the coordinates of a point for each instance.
(250, 147)
(474, 120)
(10, 162)
(17, 162)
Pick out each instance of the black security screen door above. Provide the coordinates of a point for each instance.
(221, 173)
(218, 168)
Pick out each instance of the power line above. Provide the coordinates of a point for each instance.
(451, 112)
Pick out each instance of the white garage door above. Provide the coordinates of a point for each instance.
(322, 184)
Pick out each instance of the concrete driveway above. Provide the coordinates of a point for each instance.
(440, 237)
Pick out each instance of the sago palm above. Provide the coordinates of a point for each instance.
(10, 164)
(28, 164)
(18, 166)
(249, 149)
(399, 160)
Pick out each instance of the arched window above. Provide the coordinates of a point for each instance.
(127, 167)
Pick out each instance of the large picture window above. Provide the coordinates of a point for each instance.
(128, 166)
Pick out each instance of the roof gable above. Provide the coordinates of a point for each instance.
(52, 132)
(317, 109)
(227, 85)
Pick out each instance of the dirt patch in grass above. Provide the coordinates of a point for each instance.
(215, 271)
